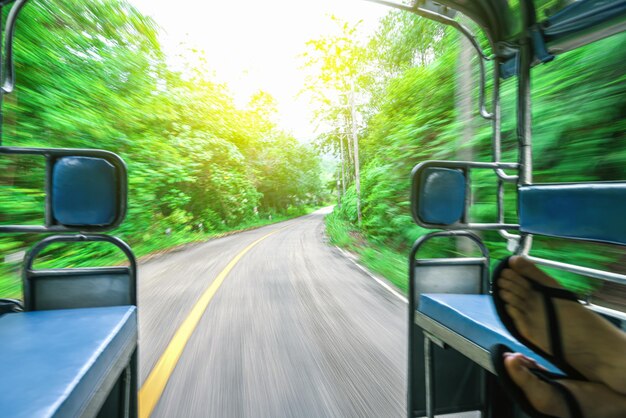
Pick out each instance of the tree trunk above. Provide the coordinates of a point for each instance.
(355, 141)
(343, 165)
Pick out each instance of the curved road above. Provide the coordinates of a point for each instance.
(295, 330)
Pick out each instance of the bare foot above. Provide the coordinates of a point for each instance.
(595, 399)
(544, 397)
(591, 344)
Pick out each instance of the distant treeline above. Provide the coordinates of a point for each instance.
(93, 75)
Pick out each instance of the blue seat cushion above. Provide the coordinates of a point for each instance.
(53, 362)
(475, 318)
(585, 211)
(84, 191)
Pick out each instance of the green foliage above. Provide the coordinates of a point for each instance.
(92, 75)
(578, 134)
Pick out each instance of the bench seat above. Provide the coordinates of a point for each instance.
(469, 324)
(63, 362)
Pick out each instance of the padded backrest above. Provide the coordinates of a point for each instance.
(449, 278)
(84, 191)
(439, 196)
(81, 288)
(585, 211)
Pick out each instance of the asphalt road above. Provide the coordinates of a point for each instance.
(295, 330)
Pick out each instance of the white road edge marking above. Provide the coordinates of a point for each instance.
(379, 281)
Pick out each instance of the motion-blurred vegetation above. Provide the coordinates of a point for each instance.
(408, 90)
(92, 75)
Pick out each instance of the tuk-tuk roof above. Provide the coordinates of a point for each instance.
(498, 18)
(568, 25)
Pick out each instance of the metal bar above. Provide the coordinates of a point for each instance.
(127, 384)
(500, 200)
(464, 164)
(483, 395)
(524, 128)
(509, 178)
(134, 365)
(468, 195)
(524, 115)
(48, 215)
(60, 152)
(449, 261)
(607, 311)
(428, 375)
(585, 271)
(510, 237)
(8, 80)
(481, 91)
(524, 122)
(496, 125)
(83, 271)
(462, 227)
(492, 226)
(411, 378)
(53, 228)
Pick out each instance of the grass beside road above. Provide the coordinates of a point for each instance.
(393, 265)
(384, 261)
(98, 254)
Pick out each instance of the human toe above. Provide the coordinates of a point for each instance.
(525, 268)
(540, 394)
(512, 298)
(517, 285)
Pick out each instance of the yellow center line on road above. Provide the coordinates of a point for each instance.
(153, 387)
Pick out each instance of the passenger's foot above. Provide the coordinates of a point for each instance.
(591, 345)
(594, 399)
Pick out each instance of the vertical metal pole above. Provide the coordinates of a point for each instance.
(410, 400)
(430, 386)
(126, 382)
(49, 216)
(496, 127)
(133, 405)
(524, 115)
(524, 122)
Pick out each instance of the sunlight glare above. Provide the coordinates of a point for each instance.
(254, 45)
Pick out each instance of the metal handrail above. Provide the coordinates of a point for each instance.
(8, 79)
(585, 271)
